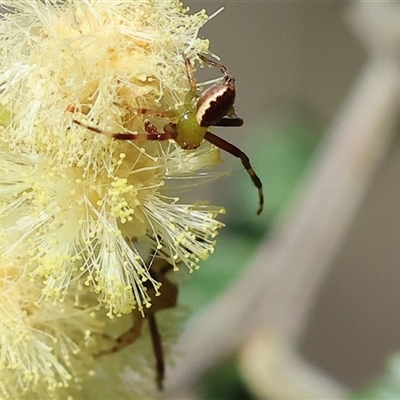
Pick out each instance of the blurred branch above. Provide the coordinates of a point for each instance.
(272, 369)
(278, 290)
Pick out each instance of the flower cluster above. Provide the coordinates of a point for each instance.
(79, 211)
(43, 347)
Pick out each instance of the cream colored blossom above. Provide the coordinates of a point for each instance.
(78, 204)
(43, 347)
(49, 350)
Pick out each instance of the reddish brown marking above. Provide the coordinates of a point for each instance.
(91, 128)
(72, 109)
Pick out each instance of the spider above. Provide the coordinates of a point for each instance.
(158, 268)
(212, 107)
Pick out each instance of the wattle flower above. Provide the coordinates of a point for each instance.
(79, 203)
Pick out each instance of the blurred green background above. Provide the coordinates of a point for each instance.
(281, 160)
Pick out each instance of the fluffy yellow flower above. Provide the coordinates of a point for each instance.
(76, 203)
(49, 350)
(43, 347)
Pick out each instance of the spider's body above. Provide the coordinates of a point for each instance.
(212, 107)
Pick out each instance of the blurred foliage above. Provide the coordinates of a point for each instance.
(224, 382)
(280, 158)
(386, 387)
(279, 155)
(231, 255)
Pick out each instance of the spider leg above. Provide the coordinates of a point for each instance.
(120, 135)
(190, 74)
(235, 151)
(227, 121)
(157, 349)
(167, 299)
(127, 338)
(222, 67)
(146, 111)
(151, 132)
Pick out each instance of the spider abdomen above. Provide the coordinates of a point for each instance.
(215, 102)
